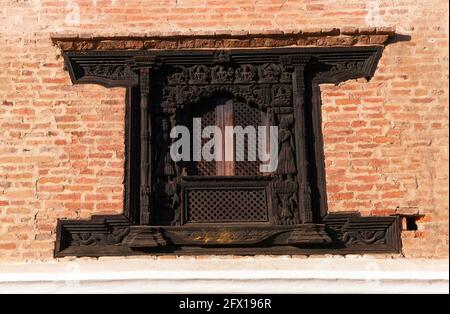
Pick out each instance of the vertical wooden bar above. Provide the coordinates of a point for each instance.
(266, 121)
(145, 148)
(304, 190)
(228, 139)
(220, 168)
(128, 105)
(318, 147)
(224, 117)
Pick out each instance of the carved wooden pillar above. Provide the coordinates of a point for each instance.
(145, 147)
(298, 80)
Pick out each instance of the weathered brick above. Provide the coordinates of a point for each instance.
(386, 141)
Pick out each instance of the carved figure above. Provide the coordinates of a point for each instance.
(199, 74)
(270, 73)
(220, 74)
(174, 201)
(286, 159)
(281, 96)
(165, 165)
(246, 73)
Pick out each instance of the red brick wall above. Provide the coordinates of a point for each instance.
(61, 151)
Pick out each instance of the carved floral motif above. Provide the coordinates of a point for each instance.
(212, 237)
(342, 71)
(114, 71)
(86, 238)
(364, 237)
(346, 67)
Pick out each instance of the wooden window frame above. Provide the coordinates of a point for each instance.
(303, 69)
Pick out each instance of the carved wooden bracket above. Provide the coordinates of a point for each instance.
(288, 209)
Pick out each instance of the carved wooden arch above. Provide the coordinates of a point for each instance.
(159, 83)
(206, 102)
(205, 93)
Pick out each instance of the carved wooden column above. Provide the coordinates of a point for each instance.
(145, 65)
(145, 147)
(298, 64)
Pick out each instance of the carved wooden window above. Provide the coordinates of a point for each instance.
(224, 111)
(224, 207)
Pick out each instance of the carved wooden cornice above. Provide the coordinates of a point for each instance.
(325, 37)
